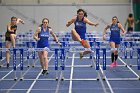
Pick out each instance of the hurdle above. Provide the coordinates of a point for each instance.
(14, 59)
(104, 65)
(128, 47)
(0, 53)
(138, 61)
(63, 60)
(0, 47)
(21, 63)
(30, 44)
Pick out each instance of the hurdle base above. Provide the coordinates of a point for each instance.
(21, 78)
(91, 66)
(97, 79)
(130, 65)
(62, 79)
(15, 79)
(126, 65)
(104, 79)
(56, 78)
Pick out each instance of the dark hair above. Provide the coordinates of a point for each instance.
(130, 15)
(85, 13)
(116, 18)
(13, 18)
(45, 19)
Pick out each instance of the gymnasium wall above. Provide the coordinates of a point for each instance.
(65, 1)
(59, 14)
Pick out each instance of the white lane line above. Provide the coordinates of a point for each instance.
(109, 85)
(10, 72)
(98, 73)
(58, 84)
(71, 75)
(30, 88)
(8, 91)
(128, 67)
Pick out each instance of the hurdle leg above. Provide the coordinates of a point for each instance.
(126, 61)
(15, 75)
(62, 75)
(93, 59)
(139, 74)
(131, 57)
(56, 78)
(0, 55)
(63, 60)
(104, 62)
(21, 64)
(21, 75)
(97, 63)
(27, 45)
(125, 57)
(56, 64)
(33, 64)
(28, 64)
(138, 62)
(14, 64)
(33, 54)
(33, 58)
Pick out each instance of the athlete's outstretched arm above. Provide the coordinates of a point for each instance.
(71, 21)
(20, 21)
(89, 22)
(35, 36)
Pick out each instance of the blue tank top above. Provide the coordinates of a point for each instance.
(80, 25)
(44, 36)
(115, 32)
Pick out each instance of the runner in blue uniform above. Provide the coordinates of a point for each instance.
(115, 28)
(78, 33)
(42, 37)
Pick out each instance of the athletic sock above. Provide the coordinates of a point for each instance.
(116, 57)
(112, 57)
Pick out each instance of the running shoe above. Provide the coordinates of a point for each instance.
(7, 65)
(116, 63)
(81, 55)
(112, 65)
(44, 71)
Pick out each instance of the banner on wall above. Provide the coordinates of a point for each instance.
(136, 9)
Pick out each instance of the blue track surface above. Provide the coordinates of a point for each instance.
(79, 78)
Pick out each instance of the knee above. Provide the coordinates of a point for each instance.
(45, 57)
(8, 52)
(116, 52)
(11, 35)
(113, 50)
